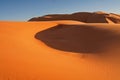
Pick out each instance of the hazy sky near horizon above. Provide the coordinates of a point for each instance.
(22, 10)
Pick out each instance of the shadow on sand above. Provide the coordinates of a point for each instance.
(78, 38)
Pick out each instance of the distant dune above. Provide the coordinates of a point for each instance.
(86, 17)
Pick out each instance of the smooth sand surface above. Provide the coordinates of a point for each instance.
(23, 56)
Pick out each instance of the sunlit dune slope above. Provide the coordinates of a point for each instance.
(23, 57)
(87, 17)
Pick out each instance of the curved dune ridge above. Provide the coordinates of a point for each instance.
(46, 50)
(67, 22)
(78, 38)
(86, 17)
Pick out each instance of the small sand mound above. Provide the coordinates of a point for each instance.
(78, 38)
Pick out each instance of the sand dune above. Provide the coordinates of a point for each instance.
(109, 21)
(52, 56)
(87, 17)
(79, 38)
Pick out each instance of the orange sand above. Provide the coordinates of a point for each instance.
(23, 57)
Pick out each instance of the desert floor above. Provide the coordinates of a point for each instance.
(26, 57)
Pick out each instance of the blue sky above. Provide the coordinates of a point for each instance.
(22, 10)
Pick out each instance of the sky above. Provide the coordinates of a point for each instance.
(22, 10)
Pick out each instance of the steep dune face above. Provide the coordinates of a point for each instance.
(23, 57)
(87, 17)
(79, 38)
